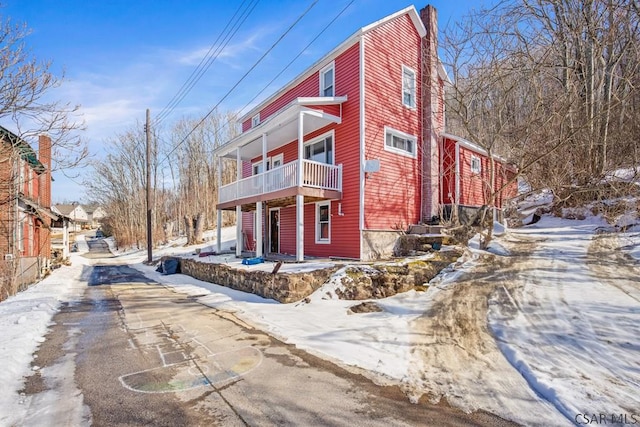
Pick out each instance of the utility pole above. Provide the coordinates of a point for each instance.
(147, 129)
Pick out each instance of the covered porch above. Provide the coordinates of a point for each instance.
(276, 183)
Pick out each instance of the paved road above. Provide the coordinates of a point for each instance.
(146, 355)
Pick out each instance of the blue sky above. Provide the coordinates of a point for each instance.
(120, 57)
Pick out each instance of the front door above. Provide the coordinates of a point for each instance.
(274, 230)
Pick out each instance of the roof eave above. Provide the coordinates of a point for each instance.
(354, 38)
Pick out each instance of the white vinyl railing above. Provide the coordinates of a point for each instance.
(316, 174)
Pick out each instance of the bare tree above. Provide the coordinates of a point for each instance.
(118, 183)
(197, 170)
(26, 93)
(25, 88)
(550, 85)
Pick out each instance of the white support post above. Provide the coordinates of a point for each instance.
(219, 212)
(219, 231)
(65, 238)
(239, 239)
(258, 230)
(299, 228)
(300, 149)
(264, 161)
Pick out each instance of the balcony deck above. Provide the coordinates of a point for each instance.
(280, 185)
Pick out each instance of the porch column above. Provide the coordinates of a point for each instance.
(219, 231)
(65, 238)
(264, 161)
(300, 148)
(219, 212)
(258, 230)
(299, 228)
(239, 240)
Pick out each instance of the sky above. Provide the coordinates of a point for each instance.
(121, 57)
(563, 345)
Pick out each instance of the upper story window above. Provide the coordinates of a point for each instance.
(320, 150)
(327, 80)
(408, 87)
(476, 166)
(255, 120)
(400, 142)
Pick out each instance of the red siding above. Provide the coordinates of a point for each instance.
(392, 195)
(448, 171)
(345, 233)
(474, 188)
(308, 87)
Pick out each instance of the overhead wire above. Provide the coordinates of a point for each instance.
(326, 27)
(208, 59)
(282, 36)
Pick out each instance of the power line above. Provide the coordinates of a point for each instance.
(326, 27)
(298, 55)
(208, 59)
(241, 79)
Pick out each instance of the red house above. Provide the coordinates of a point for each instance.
(25, 214)
(348, 153)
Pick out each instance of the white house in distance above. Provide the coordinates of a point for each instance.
(77, 216)
(95, 214)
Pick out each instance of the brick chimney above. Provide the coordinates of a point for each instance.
(44, 154)
(433, 123)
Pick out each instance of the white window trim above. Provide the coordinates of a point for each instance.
(255, 120)
(415, 79)
(321, 137)
(478, 162)
(275, 158)
(318, 240)
(321, 78)
(253, 166)
(400, 134)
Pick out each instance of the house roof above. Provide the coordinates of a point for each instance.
(471, 146)
(67, 209)
(24, 149)
(284, 125)
(39, 211)
(410, 10)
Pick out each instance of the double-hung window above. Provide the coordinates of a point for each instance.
(255, 120)
(323, 222)
(399, 142)
(408, 87)
(476, 165)
(327, 80)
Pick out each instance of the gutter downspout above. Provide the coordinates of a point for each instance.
(457, 198)
(239, 240)
(362, 148)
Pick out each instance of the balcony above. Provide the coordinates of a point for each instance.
(320, 181)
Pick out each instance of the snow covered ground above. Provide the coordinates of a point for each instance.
(543, 328)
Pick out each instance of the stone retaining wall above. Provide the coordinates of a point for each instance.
(282, 287)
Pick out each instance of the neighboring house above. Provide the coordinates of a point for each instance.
(25, 214)
(95, 215)
(75, 213)
(465, 177)
(348, 153)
